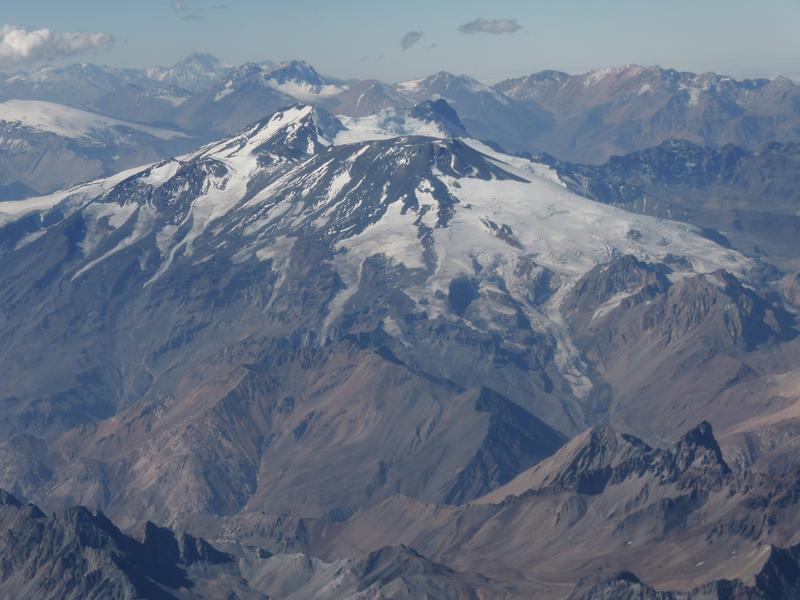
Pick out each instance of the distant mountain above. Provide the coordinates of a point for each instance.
(47, 146)
(300, 80)
(157, 105)
(486, 113)
(364, 98)
(580, 118)
(252, 92)
(194, 73)
(75, 85)
(616, 111)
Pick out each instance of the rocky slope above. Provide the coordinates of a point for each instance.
(78, 554)
(679, 517)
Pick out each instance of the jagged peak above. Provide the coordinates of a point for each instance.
(699, 442)
(701, 435)
(440, 113)
(390, 560)
(584, 465)
(602, 456)
(292, 132)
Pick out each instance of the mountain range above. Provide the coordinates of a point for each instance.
(372, 354)
(578, 118)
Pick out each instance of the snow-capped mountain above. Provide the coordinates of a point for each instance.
(194, 73)
(711, 188)
(300, 80)
(473, 230)
(619, 110)
(433, 191)
(47, 145)
(73, 123)
(251, 92)
(584, 118)
(318, 326)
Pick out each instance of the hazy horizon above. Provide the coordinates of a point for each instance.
(394, 41)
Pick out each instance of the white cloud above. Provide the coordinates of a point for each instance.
(20, 45)
(181, 9)
(491, 26)
(409, 39)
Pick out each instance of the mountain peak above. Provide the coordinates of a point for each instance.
(699, 445)
(293, 132)
(442, 83)
(202, 60)
(296, 70)
(439, 112)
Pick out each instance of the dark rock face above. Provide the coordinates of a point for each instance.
(749, 320)
(78, 554)
(626, 276)
(515, 440)
(604, 457)
(675, 309)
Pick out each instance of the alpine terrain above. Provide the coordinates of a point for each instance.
(398, 314)
(377, 356)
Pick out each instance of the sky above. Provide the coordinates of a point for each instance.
(395, 40)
